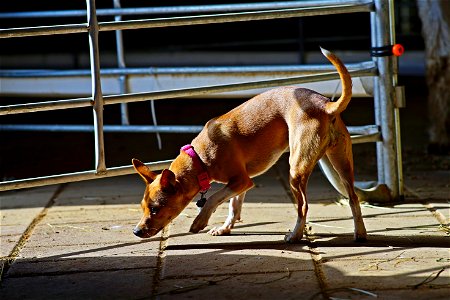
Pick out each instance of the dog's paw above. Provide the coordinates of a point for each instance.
(360, 238)
(195, 229)
(216, 231)
(292, 238)
(360, 234)
(197, 225)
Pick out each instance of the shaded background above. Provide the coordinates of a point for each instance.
(29, 154)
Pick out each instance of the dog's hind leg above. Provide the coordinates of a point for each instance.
(341, 158)
(234, 214)
(298, 186)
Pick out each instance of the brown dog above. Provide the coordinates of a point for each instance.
(244, 143)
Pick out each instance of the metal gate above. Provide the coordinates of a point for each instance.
(382, 68)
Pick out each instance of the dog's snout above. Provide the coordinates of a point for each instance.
(138, 232)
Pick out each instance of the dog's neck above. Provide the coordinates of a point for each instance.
(186, 174)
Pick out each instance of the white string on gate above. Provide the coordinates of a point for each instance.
(335, 91)
(153, 112)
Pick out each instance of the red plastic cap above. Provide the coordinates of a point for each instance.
(398, 49)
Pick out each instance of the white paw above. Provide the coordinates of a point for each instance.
(216, 231)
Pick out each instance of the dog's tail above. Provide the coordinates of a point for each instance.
(340, 105)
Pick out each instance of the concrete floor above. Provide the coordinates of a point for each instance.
(75, 241)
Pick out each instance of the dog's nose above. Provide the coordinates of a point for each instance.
(138, 232)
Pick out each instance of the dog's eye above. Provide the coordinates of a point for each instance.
(154, 210)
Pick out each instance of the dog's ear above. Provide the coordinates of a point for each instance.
(168, 182)
(143, 170)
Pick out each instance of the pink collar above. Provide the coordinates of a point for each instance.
(203, 178)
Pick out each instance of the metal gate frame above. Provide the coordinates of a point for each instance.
(386, 132)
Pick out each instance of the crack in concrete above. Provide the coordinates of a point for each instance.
(437, 214)
(28, 232)
(157, 277)
(312, 246)
(317, 262)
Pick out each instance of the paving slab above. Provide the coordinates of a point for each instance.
(114, 190)
(380, 249)
(340, 208)
(110, 284)
(94, 213)
(18, 209)
(14, 222)
(425, 293)
(326, 217)
(85, 258)
(90, 239)
(278, 285)
(27, 198)
(47, 234)
(240, 259)
(385, 274)
(415, 228)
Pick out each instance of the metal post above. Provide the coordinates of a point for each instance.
(384, 92)
(123, 79)
(377, 105)
(97, 96)
(397, 105)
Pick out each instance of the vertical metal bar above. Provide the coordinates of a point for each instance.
(398, 141)
(97, 96)
(386, 93)
(377, 105)
(123, 79)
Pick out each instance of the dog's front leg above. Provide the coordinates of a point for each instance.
(234, 214)
(231, 190)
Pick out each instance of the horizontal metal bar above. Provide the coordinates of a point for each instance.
(363, 130)
(116, 171)
(106, 128)
(78, 176)
(236, 17)
(368, 138)
(79, 86)
(197, 91)
(225, 70)
(45, 106)
(189, 92)
(119, 171)
(355, 130)
(43, 30)
(190, 20)
(177, 9)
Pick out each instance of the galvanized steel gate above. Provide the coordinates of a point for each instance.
(385, 132)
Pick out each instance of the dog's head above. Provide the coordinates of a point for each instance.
(162, 201)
